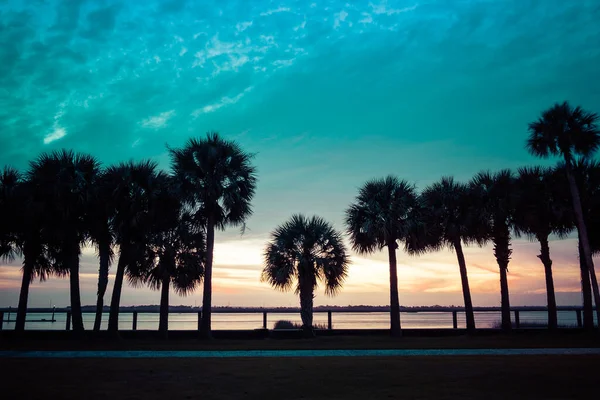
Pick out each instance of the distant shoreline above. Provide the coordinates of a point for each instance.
(233, 309)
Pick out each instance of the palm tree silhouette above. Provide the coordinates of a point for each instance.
(568, 132)
(176, 250)
(301, 253)
(542, 209)
(218, 180)
(449, 211)
(496, 197)
(134, 188)
(22, 233)
(587, 176)
(380, 217)
(100, 213)
(64, 179)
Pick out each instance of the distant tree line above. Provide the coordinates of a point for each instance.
(159, 227)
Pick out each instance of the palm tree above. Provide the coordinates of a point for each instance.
(134, 187)
(65, 180)
(301, 253)
(380, 217)
(23, 233)
(218, 181)
(568, 132)
(100, 213)
(449, 211)
(496, 197)
(541, 210)
(176, 251)
(587, 176)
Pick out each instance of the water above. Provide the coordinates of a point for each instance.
(368, 320)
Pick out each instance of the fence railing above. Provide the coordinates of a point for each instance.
(265, 312)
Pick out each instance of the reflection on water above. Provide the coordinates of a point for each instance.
(373, 320)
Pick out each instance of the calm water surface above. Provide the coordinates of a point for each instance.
(376, 320)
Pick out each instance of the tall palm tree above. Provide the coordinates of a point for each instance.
(134, 187)
(449, 211)
(587, 176)
(301, 253)
(380, 217)
(23, 233)
(218, 180)
(65, 180)
(176, 251)
(100, 213)
(496, 197)
(541, 210)
(568, 132)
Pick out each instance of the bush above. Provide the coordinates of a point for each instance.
(284, 324)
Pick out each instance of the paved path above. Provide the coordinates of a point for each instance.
(296, 353)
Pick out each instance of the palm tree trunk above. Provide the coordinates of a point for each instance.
(504, 299)
(306, 308)
(462, 265)
(73, 256)
(104, 253)
(585, 254)
(586, 290)
(24, 295)
(205, 328)
(596, 293)
(551, 297)
(394, 300)
(113, 319)
(163, 324)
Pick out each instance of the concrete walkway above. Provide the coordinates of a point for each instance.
(297, 353)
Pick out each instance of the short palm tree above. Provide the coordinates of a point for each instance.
(134, 187)
(24, 234)
(542, 210)
(218, 181)
(569, 132)
(380, 217)
(176, 250)
(495, 195)
(65, 179)
(449, 211)
(302, 252)
(99, 220)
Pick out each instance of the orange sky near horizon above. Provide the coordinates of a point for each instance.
(429, 279)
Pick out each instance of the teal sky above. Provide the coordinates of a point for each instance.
(328, 94)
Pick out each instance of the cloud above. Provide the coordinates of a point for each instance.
(275, 11)
(382, 8)
(58, 133)
(225, 101)
(338, 18)
(158, 121)
(242, 26)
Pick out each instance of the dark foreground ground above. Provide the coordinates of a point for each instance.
(448, 377)
(497, 377)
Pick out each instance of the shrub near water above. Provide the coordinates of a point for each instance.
(284, 324)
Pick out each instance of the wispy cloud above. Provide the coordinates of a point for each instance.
(57, 133)
(158, 121)
(225, 101)
(275, 11)
(242, 26)
(382, 8)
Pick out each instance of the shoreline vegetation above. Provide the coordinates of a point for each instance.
(157, 227)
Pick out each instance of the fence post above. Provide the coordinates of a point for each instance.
(454, 319)
(134, 320)
(264, 320)
(329, 322)
(579, 322)
(68, 320)
(199, 319)
(1, 319)
(517, 319)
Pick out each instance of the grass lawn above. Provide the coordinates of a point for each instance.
(489, 377)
